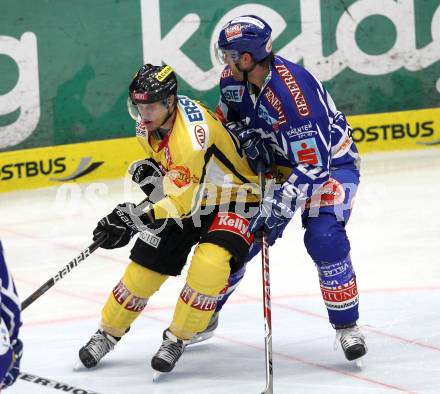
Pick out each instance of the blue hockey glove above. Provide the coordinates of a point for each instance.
(253, 145)
(12, 374)
(121, 225)
(273, 216)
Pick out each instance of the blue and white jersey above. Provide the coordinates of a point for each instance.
(297, 117)
(10, 306)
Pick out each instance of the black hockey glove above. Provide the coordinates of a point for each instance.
(253, 145)
(148, 175)
(121, 225)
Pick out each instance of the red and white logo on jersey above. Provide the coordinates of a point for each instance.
(139, 96)
(180, 176)
(229, 221)
(233, 32)
(306, 151)
(120, 292)
(331, 193)
(200, 135)
(340, 297)
(197, 300)
(136, 304)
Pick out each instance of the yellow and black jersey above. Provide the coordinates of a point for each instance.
(202, 162)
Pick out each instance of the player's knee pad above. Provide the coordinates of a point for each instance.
(326, 239)
(207, 278)
(129, 298)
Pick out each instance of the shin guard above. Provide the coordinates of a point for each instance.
(129, 298)
(207, 278)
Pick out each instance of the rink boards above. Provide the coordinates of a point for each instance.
(89, 161)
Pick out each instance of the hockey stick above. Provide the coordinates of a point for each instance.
(53, 384)
(72, 264)
(60, 275)
(266, 295)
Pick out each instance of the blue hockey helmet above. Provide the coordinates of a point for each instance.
(247, 33)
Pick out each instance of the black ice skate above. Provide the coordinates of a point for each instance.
(99, 345)
(169, 352)
(352, 341)
(208, 332)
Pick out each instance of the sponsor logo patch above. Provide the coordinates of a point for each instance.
(197, 300)
(200, 134)
(275, 103)
(190, 110)
(120, 292)
(136, 304)
(233, 93)
(344, 147)
(164, 73)
(331, 193)
(294, 89)
(341, 297)
(180, 176)
(233, 32)
(306, 152)
(139, 96)
(229, 221)
(303, 131)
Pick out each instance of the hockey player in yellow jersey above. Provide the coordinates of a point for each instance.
(201, 191)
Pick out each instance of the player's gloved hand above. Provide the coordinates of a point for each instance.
(14, 369)
(120, 225)
(148, 175)
(255, 148)
(274, 213)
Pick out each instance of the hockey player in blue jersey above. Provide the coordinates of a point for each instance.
(11, 347)
(284, 117)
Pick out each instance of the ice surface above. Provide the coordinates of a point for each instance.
(395, 238)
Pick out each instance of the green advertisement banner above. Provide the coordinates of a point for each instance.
(65, 65)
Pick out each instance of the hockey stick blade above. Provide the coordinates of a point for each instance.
(71, 265)
(53, 384)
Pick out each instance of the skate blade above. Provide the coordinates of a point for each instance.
(156, 376)
(359, 363)
(201, 337)
(78, 366)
